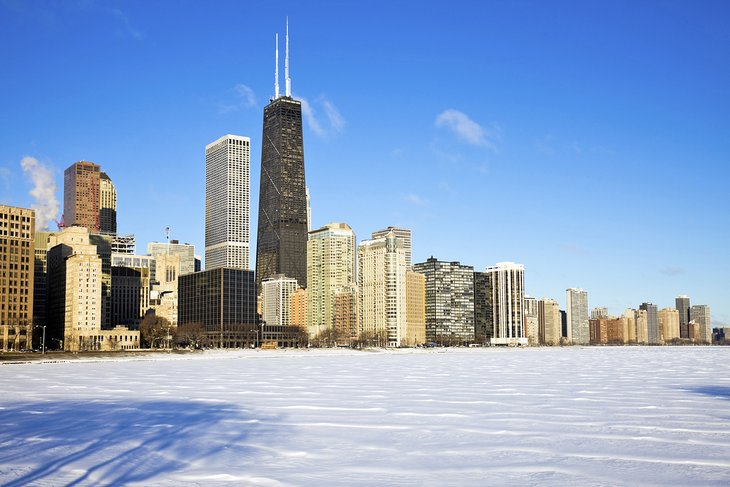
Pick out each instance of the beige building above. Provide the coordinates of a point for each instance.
(74, 296)
(415, 309)
(276, 293)
(700, 314)
(598, 331)
(630, 320)
(549, 322)
(81, 195)
(107, 205)
(330, 267)
(404, 235)
(164, 289)
(669, 324)
(346, 314)
(616, 328)
(17, 244)
(298, 309)
(642, 326)
(532, 320)
(382, 290)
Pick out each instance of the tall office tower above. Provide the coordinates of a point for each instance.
(630, 317)
(483, 324)
(107, 205)
(505, 303)
(185, 251)
(449, 300)
(40, 277)
(223, 300)
(532, 321)
(81, 195)
(682, 305)
(700, 314)
(276, 294)
(652, 323)
(309, 212)
(599, 313)
(381, 275)
(549, 321)
(577, 308)
(415, 309)
(402, 233)
(103, 244)
(17, 267)
(227, 162)
(298, 309)
(668, 324)
(281, 246)
(330, 267)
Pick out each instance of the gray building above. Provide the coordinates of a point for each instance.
(185, 251)
(652, 323)
(576, 306)
(700, 314)
(483, 324)
(683, 306)
(449, 301)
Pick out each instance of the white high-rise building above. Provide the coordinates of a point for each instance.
(227, 193)
(276, 296)
(404, 234)
(381, 264)
(506, 294)
(330, 269)
(576, 306)
(700, 314)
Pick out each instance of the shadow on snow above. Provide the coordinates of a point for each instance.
(715, 391)
(74, 442)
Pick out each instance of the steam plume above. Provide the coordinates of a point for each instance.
(46, 205)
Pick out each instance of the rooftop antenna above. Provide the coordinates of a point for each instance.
(276, 70)
(286, 61)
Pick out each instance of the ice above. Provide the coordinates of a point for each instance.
(547, 416)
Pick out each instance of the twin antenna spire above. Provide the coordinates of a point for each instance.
(287, 80)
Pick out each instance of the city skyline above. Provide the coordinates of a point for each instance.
(584, 202)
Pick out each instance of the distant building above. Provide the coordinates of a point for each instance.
(642, 326)
(17, 267)
(227, 188)
(330, 268)
(40, 277)
(599, 313)
(598, 331)
(276, 296)
(185, 251)
(669, 324)
(532, 321)
(224, 302)
(124, 244)
(81, 195)
(449, 301)
(549, 322)
(130, 295)
(298, 309)
(164, 287)
(107, 205)
(652, 323)
(576, 306)
(346, 314)
(415, 309)
(683, 308)
(630, 317)
(382, 290)
(483, 323)
(700, 314)
(505, 303)
(404, 234)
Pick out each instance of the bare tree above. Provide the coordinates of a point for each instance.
(154, 330)
(190, 335)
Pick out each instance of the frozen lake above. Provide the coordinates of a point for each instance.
(552, 416)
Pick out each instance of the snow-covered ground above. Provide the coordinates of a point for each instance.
(560, 416)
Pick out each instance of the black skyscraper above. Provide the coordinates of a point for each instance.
(281, 244)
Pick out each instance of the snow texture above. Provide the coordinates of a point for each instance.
(550, 417)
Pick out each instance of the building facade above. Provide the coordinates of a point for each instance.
(17, 268)
(185, 251)
(682, 305)
(82, 195)
(505, 303)
(532, 320)
(404, 234)
(130, 295)
(549, 322)
(652, 323)
(276, 294)
(700, 314)
(224, 302)
(668, 324)
(382, 290)
(227, 196)
(330, 268)
(415, 309)
(449, 301)
(298, 309)
(107, 205)
(483, 322)
(576, 306)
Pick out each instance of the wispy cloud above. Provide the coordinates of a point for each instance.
(466, 129)
(5, 177)
(333, 124)
(575, 249)
(244, 97)
(415, 199)
(672, 271)
(126, 26)
(46, 205)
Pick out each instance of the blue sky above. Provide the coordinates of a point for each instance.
(586, 140)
